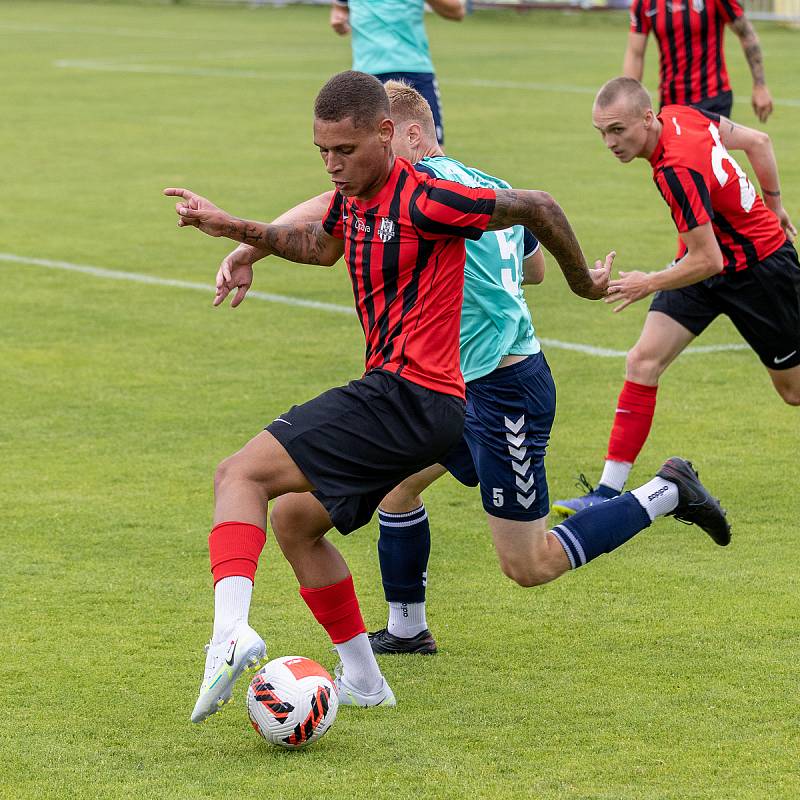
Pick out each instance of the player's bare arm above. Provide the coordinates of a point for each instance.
(449, 9)
(761, 99)
(633, 64)
(533, 268)
(702, 260)
(236, 269)
(757, 146)
(546, 219)
(305, 243)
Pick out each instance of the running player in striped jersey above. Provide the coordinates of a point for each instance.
(510, 408)
(331, 460)
(692, 70)
(738, 258)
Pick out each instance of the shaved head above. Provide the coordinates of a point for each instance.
(626, 90)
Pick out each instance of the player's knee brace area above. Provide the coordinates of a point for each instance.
(525, 576)
(642, 367)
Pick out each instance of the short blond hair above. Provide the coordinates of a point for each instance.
(636, 96)
(406, 104)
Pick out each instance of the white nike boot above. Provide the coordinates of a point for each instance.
(244, 651)
(350, 696)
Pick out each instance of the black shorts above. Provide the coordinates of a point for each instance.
(763, 302)
(721, 104)
(426, 84)
(355, 443)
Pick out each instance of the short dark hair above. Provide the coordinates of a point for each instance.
(629, 88)
(352, 94)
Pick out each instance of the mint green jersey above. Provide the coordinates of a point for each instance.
(389, 36)
(495, 320)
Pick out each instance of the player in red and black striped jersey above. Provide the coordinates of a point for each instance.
(738, 258)
(692, 70)
(331, 460)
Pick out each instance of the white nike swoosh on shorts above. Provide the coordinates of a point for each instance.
(781, 360)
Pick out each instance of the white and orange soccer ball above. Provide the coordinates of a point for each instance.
(292, 701)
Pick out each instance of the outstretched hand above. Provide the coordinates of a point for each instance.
(198, 212)
(629, 287)
(235, 272)
(601, 274)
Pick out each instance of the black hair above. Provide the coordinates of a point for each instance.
(352, 94)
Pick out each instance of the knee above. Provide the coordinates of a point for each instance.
(526, 575)
(643, 366)
(283, 520)
(790, 395)
(401, 499)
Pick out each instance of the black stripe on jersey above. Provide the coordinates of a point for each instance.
(410, 294)
(451, 200)
(425, 169)
(701, 55)
(728, 255)
(687, 49)
(729, 9)
(391, 270)
(351, 264)
(333, 217)
(719, 25)
(702, 191)
(712, 115)
(750, 254)
(366, 277)
(679, 193)
(457, 201)
(673, 56)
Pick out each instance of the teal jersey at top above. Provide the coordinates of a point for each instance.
(495, 320)
(389, 36)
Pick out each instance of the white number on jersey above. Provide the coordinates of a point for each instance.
(747, 194)
(508, 252)
(497, 494)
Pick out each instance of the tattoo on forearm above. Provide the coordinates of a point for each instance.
(771, 194)
(752, 48)
(539, 212)
(302, 243)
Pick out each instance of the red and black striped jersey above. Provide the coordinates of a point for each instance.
(701, 182)
(404, 249)
(689, 34)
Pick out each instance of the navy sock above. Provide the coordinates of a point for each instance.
(403, 549)
(606, 491)
(601, 528)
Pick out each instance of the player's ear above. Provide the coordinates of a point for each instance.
(386, 131)
(649, 117)
(414, 134)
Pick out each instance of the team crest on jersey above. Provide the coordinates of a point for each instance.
(386, 229)
(698, 5)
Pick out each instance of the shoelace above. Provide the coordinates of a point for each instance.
(583, 483)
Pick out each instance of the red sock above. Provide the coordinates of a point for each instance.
(336, 608)
(635, 408)
(234, 548)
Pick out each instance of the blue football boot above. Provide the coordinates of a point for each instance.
(592, 497)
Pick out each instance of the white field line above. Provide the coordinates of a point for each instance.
(137, 277)
(245, 74)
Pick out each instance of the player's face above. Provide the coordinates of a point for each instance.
(357, 159)
(624, 130)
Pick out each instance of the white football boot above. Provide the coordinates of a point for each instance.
(350, 696)
(243, 651)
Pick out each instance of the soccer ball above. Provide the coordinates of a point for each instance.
(292, 701)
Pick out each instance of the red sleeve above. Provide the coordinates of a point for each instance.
(442, 209)
(640, 22)
(687, 195)
(332, 221)
(729, 10)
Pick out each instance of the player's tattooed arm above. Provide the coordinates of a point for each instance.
(306, 243)
(546, 219)
(761, 100)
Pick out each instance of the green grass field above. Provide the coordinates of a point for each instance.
(667, 670)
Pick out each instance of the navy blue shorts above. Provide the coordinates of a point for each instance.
(509, 416)
(425, 83)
